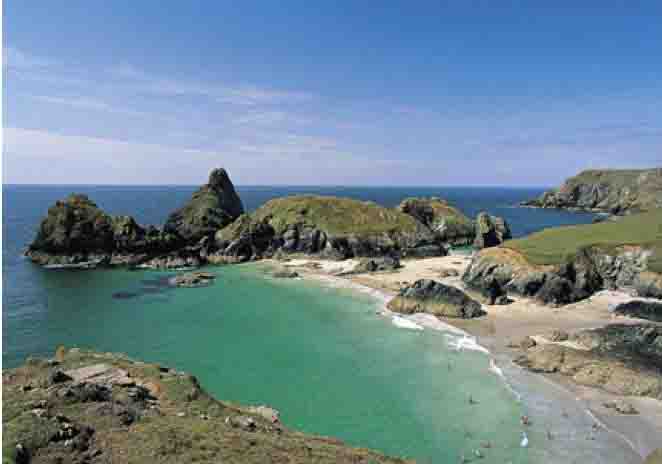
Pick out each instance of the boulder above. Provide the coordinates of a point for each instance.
(285, 273)
(215, 205)
(621, 407)
(490, 231)
(382, 263)
(429, 296)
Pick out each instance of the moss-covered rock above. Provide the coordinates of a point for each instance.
(114, 409)
(331, 227)
(215, 205)
(448, 223)
(490, 231)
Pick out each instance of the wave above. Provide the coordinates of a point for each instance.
(405, 323)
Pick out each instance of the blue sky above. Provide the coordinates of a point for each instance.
(349, 93)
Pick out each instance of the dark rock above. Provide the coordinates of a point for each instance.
(84, 392)
(57, 376)
(448, 272)
(490, 231)
(382, 263)
(650, 310)
(21, 454)
(215, 205)
(435, 298)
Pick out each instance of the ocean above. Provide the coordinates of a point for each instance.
(318, 353)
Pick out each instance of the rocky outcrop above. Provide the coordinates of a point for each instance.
(588, 271)
(76, 231)
(611, 191)
(429, 296)
(329, 227)
(448, 224)
(215, 205)
(108, 408)
(622, 359)
(380, 263)
(490, 231)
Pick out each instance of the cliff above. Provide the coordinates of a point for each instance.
(611, 191)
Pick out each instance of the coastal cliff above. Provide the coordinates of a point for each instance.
(608, 190)
(86, 407)
(566, 264)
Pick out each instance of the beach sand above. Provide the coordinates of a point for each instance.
(508, 324)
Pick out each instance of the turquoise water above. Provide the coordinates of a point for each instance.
(321, 355)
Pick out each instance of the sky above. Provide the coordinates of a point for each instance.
(329, 93)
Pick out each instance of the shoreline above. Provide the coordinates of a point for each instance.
(637, 434)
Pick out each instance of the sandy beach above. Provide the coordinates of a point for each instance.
(505, 325)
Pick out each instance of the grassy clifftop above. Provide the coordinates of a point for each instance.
(557, 245)
(337, 216)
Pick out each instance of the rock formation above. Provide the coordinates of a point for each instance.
(448, 224)
(330, 227)
(622, 359)
(611, 191)
(642, 309)
(76, 231)
(429, 296)
(215, 205)
(490, 231)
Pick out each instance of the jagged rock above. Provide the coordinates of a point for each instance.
(243, 422)
(215, 205)
(446, 222)
(269, 413)
(612, 191)
(192, 279)
(490, 231)
(590, 270)
(526, 343)
(382, 263)
(435, 298)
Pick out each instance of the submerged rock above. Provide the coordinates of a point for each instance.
(192, 279)
(429, 296)
(215, 205)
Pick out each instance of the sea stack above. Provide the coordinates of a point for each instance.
(212, 207)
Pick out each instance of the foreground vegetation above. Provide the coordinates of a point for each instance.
(558, 245)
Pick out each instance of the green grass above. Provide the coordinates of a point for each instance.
(337, 216)
(557, 245)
